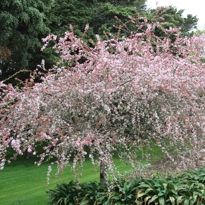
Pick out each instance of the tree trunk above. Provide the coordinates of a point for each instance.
(103, 174)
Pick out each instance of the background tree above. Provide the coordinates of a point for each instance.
(174, 18)
(26, 22)
(108, 17)
(21, 28)
(99, 14)
(139, 4)
(63, 13)
(199, 32)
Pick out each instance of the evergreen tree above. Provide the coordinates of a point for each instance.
(75, 12)
(108, 18)
(174, 18)
(138, 4)
(21, 28)
(100, 14)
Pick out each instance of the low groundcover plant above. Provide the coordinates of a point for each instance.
(184, 189)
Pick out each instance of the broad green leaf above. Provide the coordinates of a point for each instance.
(148, 190)
(153, 199)
(186, 202)
(172, 200)
(84, 202)
(140, 194)
(147, 199)
(144, 185)
(161, 201)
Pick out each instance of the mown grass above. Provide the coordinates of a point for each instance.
(22, 182)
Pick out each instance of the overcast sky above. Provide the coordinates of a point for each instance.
(194, 7)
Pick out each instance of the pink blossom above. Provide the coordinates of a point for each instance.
(114, 102)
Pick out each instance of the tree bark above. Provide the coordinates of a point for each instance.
(103, 174)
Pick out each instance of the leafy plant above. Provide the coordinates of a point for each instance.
(77, 193)
(190, 194)
(156, 190)
(65, 194)
(124, 192)
(195, 175)
(178, 190)
(94, 194)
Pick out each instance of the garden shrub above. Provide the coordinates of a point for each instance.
(185, 189)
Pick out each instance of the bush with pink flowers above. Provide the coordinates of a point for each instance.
(112, 98)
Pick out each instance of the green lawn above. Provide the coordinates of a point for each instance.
(22, 182)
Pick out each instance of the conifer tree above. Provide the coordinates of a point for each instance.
(174, 18)
(21, 28)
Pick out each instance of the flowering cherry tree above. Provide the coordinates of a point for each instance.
(113, 98)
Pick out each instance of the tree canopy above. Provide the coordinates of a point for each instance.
(111, 103)
(99, 14)
(63, 13)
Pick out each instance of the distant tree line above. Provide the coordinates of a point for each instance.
(24, 23)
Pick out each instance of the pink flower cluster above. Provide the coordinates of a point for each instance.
(127, 92)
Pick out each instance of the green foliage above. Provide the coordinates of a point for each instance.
(22, 25)
(109, 18)
(63, 13)
(174, 18)
(199, 32)
(124, 192)
(185, 189)
(99, 14)
(194, 175)
(156, 190)
(139, 4)
(93, 193)
(192, 193)
(74, 193)
(65, 194)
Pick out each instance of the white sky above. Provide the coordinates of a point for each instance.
(194, 7)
